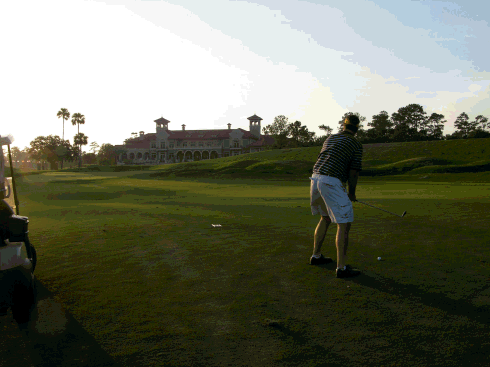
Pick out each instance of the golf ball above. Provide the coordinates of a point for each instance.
(379, 258)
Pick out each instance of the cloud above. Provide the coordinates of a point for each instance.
(467, 102)
(424, 94)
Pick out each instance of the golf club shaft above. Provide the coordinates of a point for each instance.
(16, 200)
(378, 208)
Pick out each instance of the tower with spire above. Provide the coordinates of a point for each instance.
(255, 125)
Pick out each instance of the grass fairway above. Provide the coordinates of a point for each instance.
(133, 256)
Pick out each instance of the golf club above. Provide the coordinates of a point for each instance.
(401, 216)
(14, 187)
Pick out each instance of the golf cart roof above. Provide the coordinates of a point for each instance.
(6, 139)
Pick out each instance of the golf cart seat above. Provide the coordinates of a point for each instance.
(17, 286)
(15, 248)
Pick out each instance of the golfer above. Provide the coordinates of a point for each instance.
(340, 160)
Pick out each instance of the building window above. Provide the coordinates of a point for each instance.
(236, 144)
(153, 144)
(208, 144)
(193, 144)
(184, 144)
(162, 145)
(154, 156)
(201, 144)
(171, 146)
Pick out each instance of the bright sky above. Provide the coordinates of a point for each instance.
(125, 63)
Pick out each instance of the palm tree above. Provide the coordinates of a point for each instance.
(80, 139)
(65, 115)
(78, 119)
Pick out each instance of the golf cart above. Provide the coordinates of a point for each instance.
(17, 255)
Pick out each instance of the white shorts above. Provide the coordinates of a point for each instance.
(328, 197)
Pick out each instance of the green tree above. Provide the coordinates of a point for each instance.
(413, 115)
(454, 135)
(89, 158)
(75, 154)
(26, 157)
(16, 154)
(65, 151)
(65, 115)
(463, 125)
(434, 127)
(481, 122)
(79, 140)
(479, 128)
(134, 137)
(381, 125)
(45, 149)
(300, 135)
(407, 121)
(108, 154)
(478, 134)
(308, 139)
(402, 132)
(279, 130)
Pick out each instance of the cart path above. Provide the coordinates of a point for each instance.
(57, 340)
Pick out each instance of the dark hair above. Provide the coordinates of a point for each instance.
(352, 122)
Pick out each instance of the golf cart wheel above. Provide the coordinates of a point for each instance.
(34, 258)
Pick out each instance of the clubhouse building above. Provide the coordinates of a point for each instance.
(166, 146)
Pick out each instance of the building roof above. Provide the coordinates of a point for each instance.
(162, 120)
(254, 117)
(190, 135)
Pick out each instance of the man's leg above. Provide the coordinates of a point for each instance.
(342, 239)
(346, 242)
(320, 232)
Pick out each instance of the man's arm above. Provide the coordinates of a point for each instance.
(353, 175)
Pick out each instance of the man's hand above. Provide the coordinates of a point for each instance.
(352, 197)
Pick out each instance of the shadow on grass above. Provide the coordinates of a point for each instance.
(55, 338)
(413, 293)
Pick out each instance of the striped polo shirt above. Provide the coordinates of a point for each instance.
(340, 153)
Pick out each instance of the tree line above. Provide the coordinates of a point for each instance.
(53, 149)
(409, 123)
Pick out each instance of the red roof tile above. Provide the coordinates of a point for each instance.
(193, 135)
